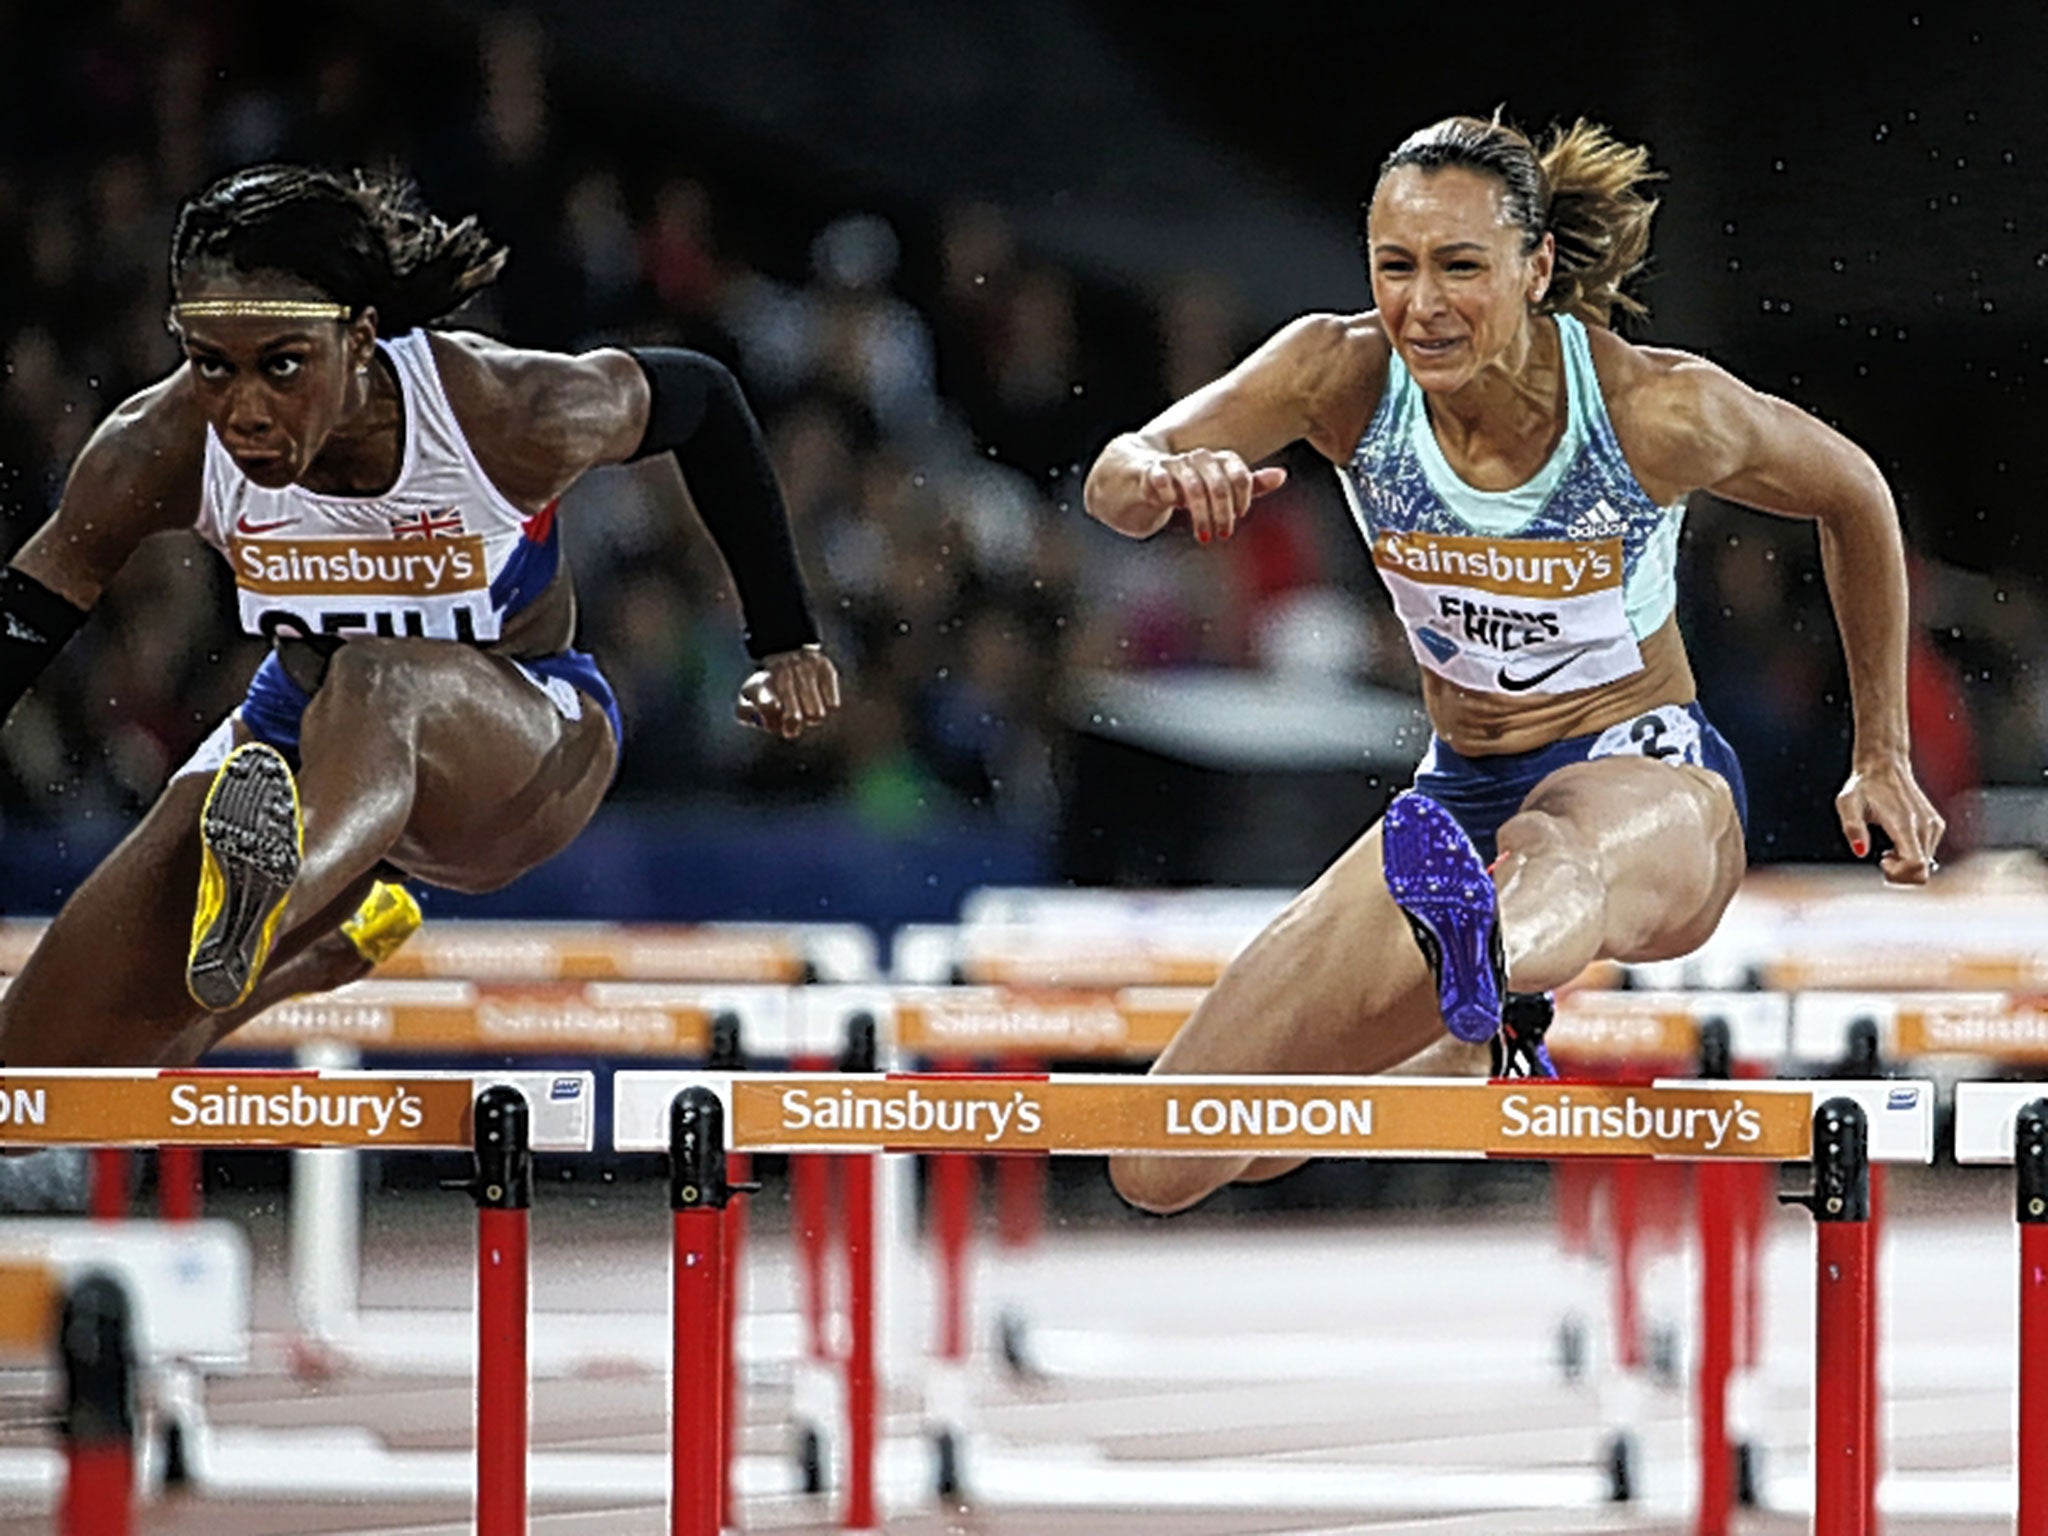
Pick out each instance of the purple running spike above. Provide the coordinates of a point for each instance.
(1437, 880)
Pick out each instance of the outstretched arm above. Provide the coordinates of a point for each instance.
(1314, 379)
(609, 407)
(137, 475)
(1708, 429)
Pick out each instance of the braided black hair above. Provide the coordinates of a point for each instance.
(364, 238)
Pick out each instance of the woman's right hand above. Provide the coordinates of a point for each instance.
(1215, 485)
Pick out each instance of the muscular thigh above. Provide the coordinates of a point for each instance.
(1334, 984)
(1665, 836)
(502, 779)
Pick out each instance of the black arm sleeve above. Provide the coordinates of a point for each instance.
(34, 624)
(698, 413)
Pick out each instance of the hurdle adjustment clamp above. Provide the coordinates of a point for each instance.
(503, 1180)
(696, 1135)
(2030, 1159)
(1841, 1165)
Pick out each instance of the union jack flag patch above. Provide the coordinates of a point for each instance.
(427, 525)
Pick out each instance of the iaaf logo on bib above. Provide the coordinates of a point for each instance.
(300, 1107)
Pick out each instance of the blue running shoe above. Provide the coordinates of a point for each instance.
(1437, 880)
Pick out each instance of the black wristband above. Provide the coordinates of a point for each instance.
(696, 412)
(34, 624)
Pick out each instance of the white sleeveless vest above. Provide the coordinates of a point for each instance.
(441, 554)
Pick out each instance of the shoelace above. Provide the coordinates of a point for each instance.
(1517, 1048)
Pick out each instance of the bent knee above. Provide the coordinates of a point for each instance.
(1166, 1185)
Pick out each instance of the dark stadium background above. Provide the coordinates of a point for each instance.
(950, 249)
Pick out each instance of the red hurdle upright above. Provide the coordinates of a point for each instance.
(96, 1346)
(1843, 1325)
(698, 1394)
(503, 1190)
(728, 1054)
(2030, 1159)
(857, 1189)
(1715, 1188)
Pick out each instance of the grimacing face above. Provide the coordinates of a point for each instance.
(1449, 277)
(272, 390)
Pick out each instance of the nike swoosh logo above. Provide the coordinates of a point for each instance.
(1521, 684)
(249, 530)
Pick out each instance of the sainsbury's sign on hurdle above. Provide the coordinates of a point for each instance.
(1310, 1116)
(147, 1108)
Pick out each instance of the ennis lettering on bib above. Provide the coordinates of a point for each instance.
(441, 554)
(1546, 588)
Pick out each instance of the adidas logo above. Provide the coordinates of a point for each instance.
(1598, 521)
(16, 630)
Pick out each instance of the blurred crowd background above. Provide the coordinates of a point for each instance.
(934, 376)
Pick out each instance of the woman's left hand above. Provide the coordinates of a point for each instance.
(794, 691)
(1883, 792)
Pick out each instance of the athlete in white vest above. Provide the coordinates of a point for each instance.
(385, 495)
(1519, 473)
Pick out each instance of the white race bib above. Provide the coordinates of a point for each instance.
(1511, 615)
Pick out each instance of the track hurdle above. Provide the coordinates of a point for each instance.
(1633, 1035)
(339, 1110)
(1349, 1117)
(389, 1021)
(2008, 1123)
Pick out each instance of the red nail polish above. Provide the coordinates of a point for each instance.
(1859, 847)
(1202, 537)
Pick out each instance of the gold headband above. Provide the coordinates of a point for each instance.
(260, 309)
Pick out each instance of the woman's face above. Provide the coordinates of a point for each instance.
(272, 390)
(1449, 276)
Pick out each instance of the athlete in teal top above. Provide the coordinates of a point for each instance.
(1403, 491)
(1518, 471)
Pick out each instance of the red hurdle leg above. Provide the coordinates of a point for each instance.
(1873, 1399)
(859, 1187)
(728, 1054)
(2030, 1157)
(1841, 1427)
(1715, 1188)
(1020, 1182)
(810, 1184)
(95, 1345)
(1624, 1189)
(952, 1208)
(738, 1167)
(177, 1183)
(107, 1183)
(504, 1196)
(698, 1194)
(857, 1203)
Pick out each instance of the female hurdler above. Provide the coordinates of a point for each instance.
(385, 494)
(1519, 473)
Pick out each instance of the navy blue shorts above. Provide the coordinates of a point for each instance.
(274, 704)
(1483, 792)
